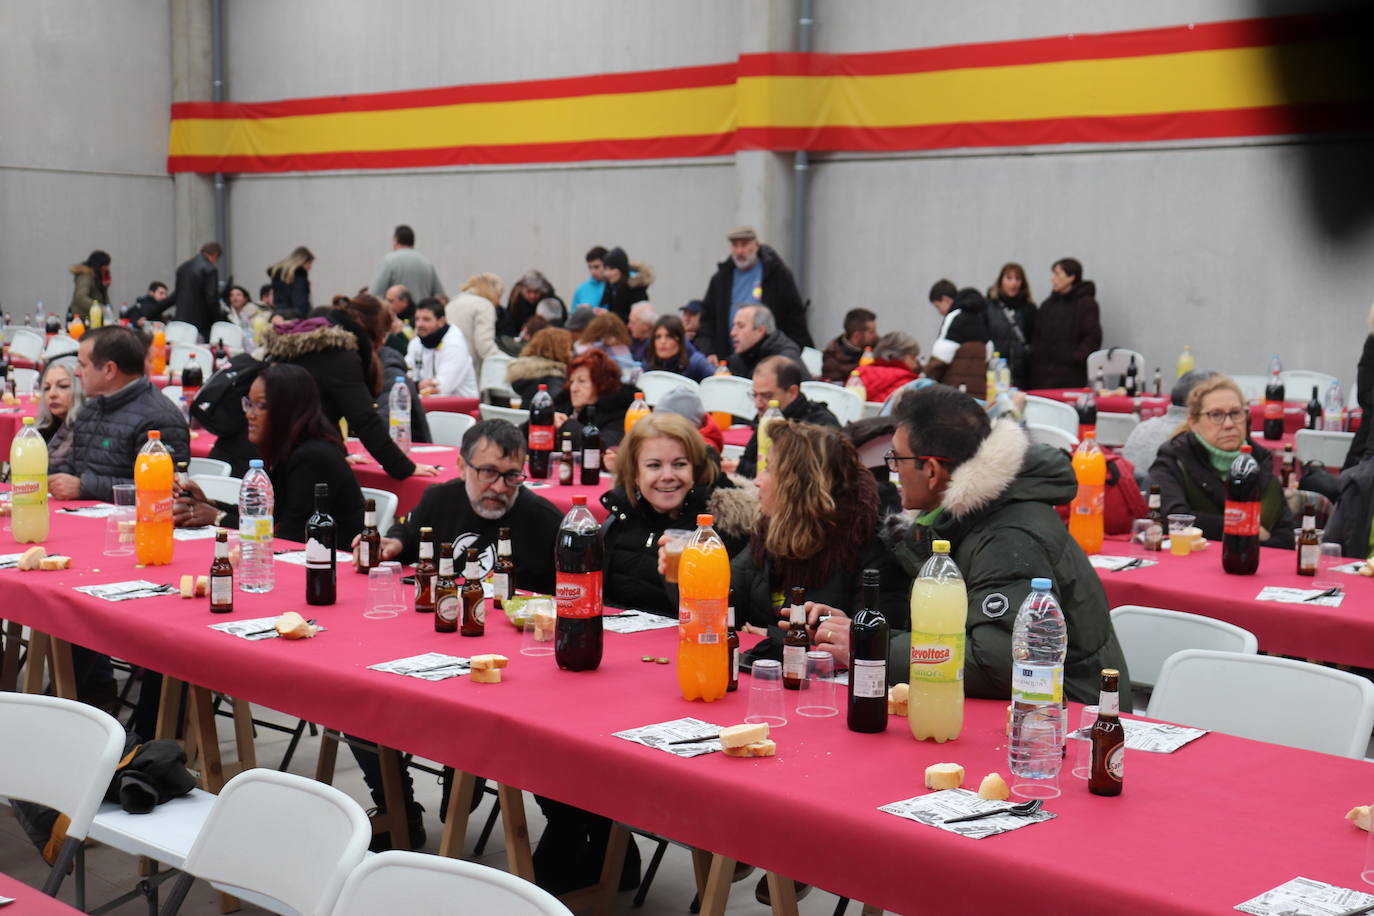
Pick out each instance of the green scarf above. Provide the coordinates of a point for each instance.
(1221, 460)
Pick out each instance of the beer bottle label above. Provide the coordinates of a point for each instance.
(579, 595)
(479, 610)
(1037, 683)
(447, 608)
(500, 586)
(1308, 555)
(221, 590)
(362, 553)
(1242, 518)
(1109, 704)
(869, 677)
(937, 658)
(1116, 761)
(734, 664)
(794, 662)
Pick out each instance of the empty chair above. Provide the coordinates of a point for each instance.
(212, 466)
(493, 376)
(62, 754)
(8, 332)
(846, 405)
(1114, 362)
(1252, 386)
(227, 333)
(25, 380)
(514, 415)
(1267, 699)
(812, 359)
(60, 345)
(220, 489)
(27, 344)
(1049, 412)
(447, 428)
(182, 332)
(1329, 446)
(173, 393)
(386, 507)
(731, 394)
(656, 383)
(181, 354)
(1113, 428)
(1298, 384)
(413, 882)
(1051, 435)
(1149, 635)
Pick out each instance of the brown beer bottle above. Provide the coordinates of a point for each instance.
(732, 643)
(565, 462)
(795, 643)
(221, 577)
(1108, 739)
(424, 573)
(1154, 504)
(370, 540)
(446, 606)
(1309, 546)
(474, 598)
(503, 573)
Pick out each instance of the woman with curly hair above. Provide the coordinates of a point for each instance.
(594, 391)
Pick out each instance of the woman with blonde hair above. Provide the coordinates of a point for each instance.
(543, 361)
(1191, 468)
(291, 283)
(473, 311)
(59, 390)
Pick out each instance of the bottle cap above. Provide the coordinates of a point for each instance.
(401, 379)
(639, 395)
(543, 387)
(1041, 583)
(704, 521)
(1246, 449)
(28, 421)
(941, 546)
(253, 463)
(772, 403)
(579, 500)
(1110, 672)
(154, 434)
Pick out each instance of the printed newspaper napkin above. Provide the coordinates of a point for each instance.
(1152, 737)
(934, 808)
(636, 622)
(658, 735)
(252, 630)
(1307, 596)
(431, 666)
(127, 591)
(1305, 897)
(1117, 564)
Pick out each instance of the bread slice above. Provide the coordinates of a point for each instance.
(202, 586)
(488, 662)
(742, 735)
(897, 699)
(55, 561)
(764, 748)
(32, 557)
(994, 788)
(188, 586)
(293, 626)
(944, 776)
(1359, 816)
(486, 675)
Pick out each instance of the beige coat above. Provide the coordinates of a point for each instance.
(476, 318)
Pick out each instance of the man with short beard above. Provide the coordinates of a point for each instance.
(754, 274)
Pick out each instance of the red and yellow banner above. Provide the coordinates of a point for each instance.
(1251, 77)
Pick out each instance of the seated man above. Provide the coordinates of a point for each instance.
(756, 337)
(439, 354)
(991, 493)
(841, 356)
(779, 379)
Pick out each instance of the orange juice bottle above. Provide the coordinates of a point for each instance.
(159, 350)
(153, 484)
(703, 654)
(637, 411)
(1086, 510)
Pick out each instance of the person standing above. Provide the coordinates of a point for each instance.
(404, 266)
(196, 294)
(90, 283)
(291, 283)
(960, 354)
(754, 274)
(1068, 328)
(473, 311)
(1012, 294)
(591, 290)
(626, 283)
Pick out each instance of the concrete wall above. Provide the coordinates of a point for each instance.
(83, 146)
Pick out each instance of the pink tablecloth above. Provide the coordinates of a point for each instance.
(30, 901)
(11, 420)
(1146, 406)
(1194, 825)
(468, 406)
(1295, 416)
(738, 435)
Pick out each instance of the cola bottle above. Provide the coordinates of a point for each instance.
(541, 432)
(1087, 412)
(579, 557)
(1273, 401)
(1241, 536)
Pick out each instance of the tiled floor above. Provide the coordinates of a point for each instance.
(110, 873)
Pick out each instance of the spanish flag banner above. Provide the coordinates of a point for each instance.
(1253, 77)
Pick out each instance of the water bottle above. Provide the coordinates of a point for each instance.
(1039, 642)
(1333, 416)
(399, 412)
(255, 529)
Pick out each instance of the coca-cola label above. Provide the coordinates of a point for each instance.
(937, 658)
(1273, 410)
(578, 595)
(1242, 518)
(541, 438)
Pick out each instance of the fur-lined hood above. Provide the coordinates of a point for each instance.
(642, 275)
(976, 483)
(79, 269)
(528, 368)
(292, 341)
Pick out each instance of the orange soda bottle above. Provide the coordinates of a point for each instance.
(703, 654)
(159, 350)
(1085, 512)
(76, 328)
(153, 473)
(638, 410)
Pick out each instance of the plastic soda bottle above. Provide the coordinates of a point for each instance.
(29, 476)
(856, 385)
(867, 358)
(1039, 643)
(939, 607)
(765, 440)
(76, 328)
(97, 316)
(159, 350)
(1185, 361)
(703, 666)
(637, 411)
(1085, 513)
(153, 472)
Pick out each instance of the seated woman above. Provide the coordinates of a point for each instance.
(669, 351)
(543, 361)
(896, 361)
(60, 389)
(606, 332)
(299, 449)
(594, 389)
(664, 478)
(1190, 468)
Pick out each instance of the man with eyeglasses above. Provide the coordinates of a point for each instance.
(779, 379)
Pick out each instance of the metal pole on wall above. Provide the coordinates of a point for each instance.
(217, 95)
(801, 162)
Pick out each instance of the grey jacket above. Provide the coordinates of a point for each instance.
(111, 428)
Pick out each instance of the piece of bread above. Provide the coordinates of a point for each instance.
(486, 675)
(765, 748)
(188, 586)
(741, 735)
(1359, 816)
(202, 586)
(994, 788)
(897, 699)
(55, 561)
(1367, 570)
(944, 776)
(488, 662)
(32, 557)
(293, 626)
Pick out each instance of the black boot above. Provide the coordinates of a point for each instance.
(415, 822)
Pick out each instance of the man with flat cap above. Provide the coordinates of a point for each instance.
(754, 274)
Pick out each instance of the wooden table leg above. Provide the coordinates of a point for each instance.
(519, 861)
(394, 819)
(600, 897)
(243, 735)
(203, 729)
(35, 667)
(168, 708)
(783, 893)
(456, 817)
(701, 869)
(9, 664)
(329, 755)
(63, 671)
(718, 879)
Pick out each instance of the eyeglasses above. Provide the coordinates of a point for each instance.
(894, 460)
(1219, 417)
(489, 474)
(253, 406)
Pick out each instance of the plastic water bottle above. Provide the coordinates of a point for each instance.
(1333, 416)
(1039, 642)
(399, 411)
(255, 530)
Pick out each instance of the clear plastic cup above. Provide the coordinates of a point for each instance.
(765, 694)
(674, 543)
(1147, 536)
(1042, 737)
(1327, 561)
(385, 597)
(1181, 534)
(816, 699)
(120, 524)
(1083, 750)
(540, 618)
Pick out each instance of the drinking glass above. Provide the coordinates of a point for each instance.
(1083, 750)
(120, 524)
(765, 694)
(674, 543)
(384, 595)
(1147, 536)
(1330, 558)
(540, 619)
(816, 699)
(1180, 534)
(1367, 873)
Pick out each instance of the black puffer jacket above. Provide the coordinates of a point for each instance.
(1189, 485)
(776, 343)
(778, 291)
(111, 428)
(632, 532)
(197, 294)
(339, 355)
(1350, 521)
(526, 373)
(291, 299)
(803, 410)
(1068, 328)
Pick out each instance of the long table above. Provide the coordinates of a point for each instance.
(1192, 833)
(30, 901)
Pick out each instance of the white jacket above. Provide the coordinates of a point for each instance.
(449, 364)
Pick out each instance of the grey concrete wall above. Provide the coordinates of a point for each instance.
(83, 146)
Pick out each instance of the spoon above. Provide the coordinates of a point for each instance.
(1024, 809)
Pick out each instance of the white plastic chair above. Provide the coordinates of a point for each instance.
(62, 754)
(212, 466)
(516, 415)
(25, 380)
(1114, 362)
(1049, 412)
(227, 333)
(1298, 383)
(1329, 446)
(220, 489)
(1149, 635)
(656, 383)
(282, 841)
(493, 376)
(447, 428)
(846, 405)
(1051, 435)
(173, 393)
(872, 408)
(813, 360)
(1266, 698)
(181, 353)
(1252, 386)
(60, 345)
(181, 332)
(28, 344)
(386, 506)
(729, 394)
(8, 331)
(413, 882)
(1113, 428)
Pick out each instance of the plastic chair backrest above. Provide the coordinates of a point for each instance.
(292, 839)
(1329, 446)
(493, 374)
(729, 393)
(1149, 635)
(58, 753)
(27, 344)
(516, 415)
(813, 360)
(60, 345)
(181, 353)
(846, 405)
(220, 489)
(1266, 698)
(413, 882)
(386, 507)
(182, 332)
(1114, 361)
(1298, 383)
(1252, 386)
(656, 383)
(447, 428)
(1049, 412)
(231, 335)
(209, 466)
(1050, 435)
(1113, 428)
(172, 393)
(25, 379)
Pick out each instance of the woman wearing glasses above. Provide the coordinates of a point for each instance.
(299, 449)
(1191, 468)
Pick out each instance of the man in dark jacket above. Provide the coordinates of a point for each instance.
(753, 274)
(756, 337)
(841, 356)
(779, 379)
(960, 354)
(197, 289)
(121, 408)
